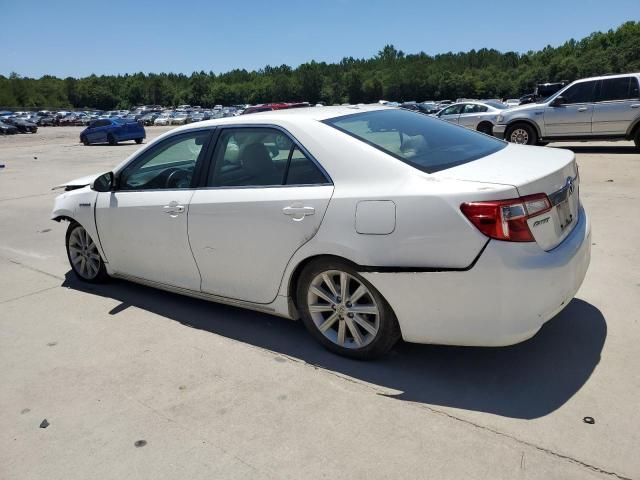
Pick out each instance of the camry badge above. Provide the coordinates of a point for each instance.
(570, 186)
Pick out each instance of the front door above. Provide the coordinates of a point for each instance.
(142, 225)
(264, 198)
(573, 117)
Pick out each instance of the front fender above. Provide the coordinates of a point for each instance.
(79, 205)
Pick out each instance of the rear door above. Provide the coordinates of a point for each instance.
(572, 118)
(617, 106)
(264, 197)
(471, 115)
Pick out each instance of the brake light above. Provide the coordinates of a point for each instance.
(507, 219)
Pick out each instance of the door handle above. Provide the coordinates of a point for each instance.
(298, 213)
(173, 208)
(583, 109)
(635, 105)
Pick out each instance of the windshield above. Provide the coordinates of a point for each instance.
(423, 142)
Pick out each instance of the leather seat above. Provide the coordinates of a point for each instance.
(257, 164)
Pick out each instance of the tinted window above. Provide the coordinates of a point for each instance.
(453, 110)
(615, 89)
(302, 170)
(579, 93)
(421, 141)
(634, 91)
(169, 164)
(260, 157)
(473, 108)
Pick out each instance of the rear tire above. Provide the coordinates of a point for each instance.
(636, 137)
(83, 255)
(344, 312)
(111, 139)
(138, 141)
(522, 134)
(486, 128)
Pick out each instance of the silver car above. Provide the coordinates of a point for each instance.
(476, 115)
(598, 108)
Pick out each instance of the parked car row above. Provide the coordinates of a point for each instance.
(598, 108)
(10, 124)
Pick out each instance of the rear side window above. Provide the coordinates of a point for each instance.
(579, 93)
(453, 110)
(423, 142)
(253, 157)
(473, 108)
(618, 89)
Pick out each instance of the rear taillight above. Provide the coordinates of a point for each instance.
(507, 219)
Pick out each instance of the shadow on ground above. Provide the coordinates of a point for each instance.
(525, 381)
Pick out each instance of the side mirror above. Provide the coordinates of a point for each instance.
(104, 183)
(559, 100)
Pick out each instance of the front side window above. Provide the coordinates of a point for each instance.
(168, 165)
(579, 93)
(253, 157)
(423, 142)
(616, 89)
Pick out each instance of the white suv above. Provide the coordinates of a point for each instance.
(598, 108)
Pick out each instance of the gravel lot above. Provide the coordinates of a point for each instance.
(138, 383)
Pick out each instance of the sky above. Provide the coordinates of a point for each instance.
(78, 38)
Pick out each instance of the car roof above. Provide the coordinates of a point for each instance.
(291, 114)
(605, 77)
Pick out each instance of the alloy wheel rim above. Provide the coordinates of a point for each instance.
(83, 254)
(520, 135)
(343, 309)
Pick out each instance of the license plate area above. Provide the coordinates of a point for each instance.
(567, 205)
(565, 216)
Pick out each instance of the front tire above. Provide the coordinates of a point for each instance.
(636, 138)
(85, 141)
(111, 139)
(522, 134)
(344, 312)
(138, 141)
(83, 255)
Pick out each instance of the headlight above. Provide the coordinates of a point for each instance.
(500, 118)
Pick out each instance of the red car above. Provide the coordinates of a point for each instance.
(266, 107)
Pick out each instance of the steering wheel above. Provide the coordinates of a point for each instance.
(178, 179)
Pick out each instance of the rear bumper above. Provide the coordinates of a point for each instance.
(512, 290)
(498, 131)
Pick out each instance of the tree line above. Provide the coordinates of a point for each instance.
(391, 74)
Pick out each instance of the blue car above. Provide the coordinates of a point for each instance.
(112, 131)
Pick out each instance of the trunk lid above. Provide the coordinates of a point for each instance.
(532, 170)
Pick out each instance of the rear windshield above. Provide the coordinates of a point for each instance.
(424, 142)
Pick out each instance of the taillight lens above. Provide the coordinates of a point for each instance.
(507, 219)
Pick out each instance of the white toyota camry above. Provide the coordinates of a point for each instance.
(368, 223)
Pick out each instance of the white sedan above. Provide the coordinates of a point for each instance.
(476, 115)
(163, 119)
(368, 223)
